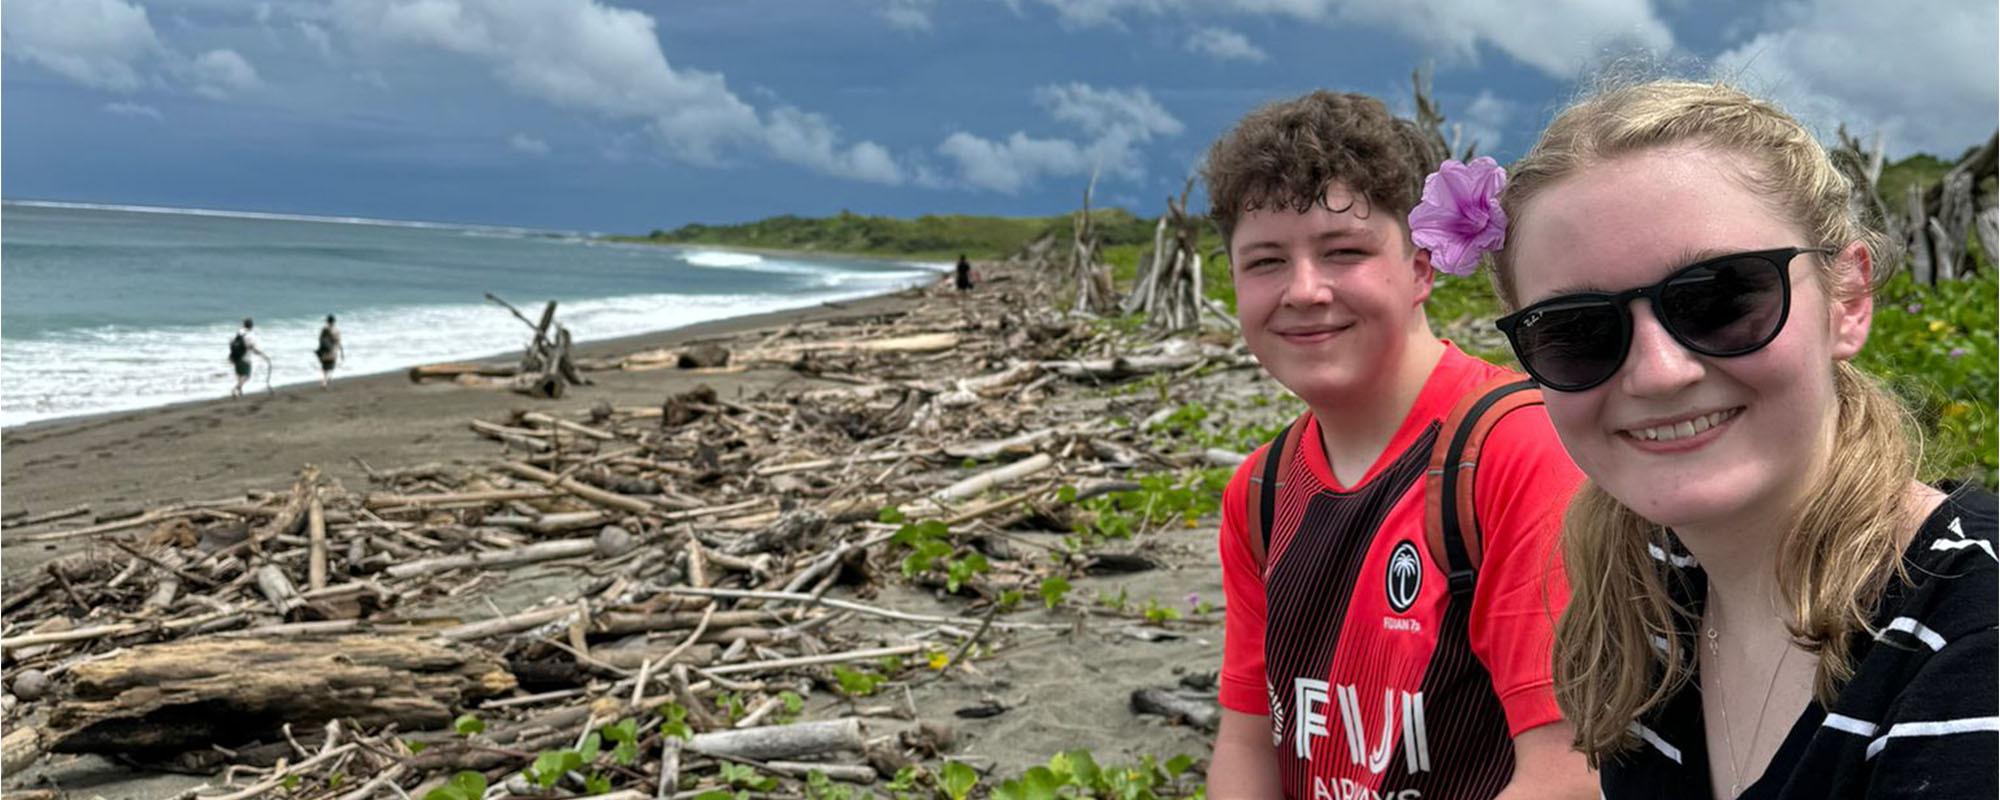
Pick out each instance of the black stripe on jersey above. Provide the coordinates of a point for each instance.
(1319, 540)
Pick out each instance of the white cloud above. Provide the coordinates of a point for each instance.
(133, 110)
(318, 37)
(1117, 122)
(1557, 37)
(1927, 81)
(528, 144)
(1223, 44)
(217, 73)
(1485, 116)
(585, 55)
(98, 43)
(909, 15)
(1013, 164)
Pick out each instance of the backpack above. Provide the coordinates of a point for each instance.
(237, 347)
(328, 340)
(1451, 524)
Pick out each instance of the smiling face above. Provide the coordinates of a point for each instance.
(1682, 438)
(1329, 300)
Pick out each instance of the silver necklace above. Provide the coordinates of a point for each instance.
(1756, 732)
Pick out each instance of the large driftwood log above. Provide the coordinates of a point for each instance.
(424, 372)
(193, 694)
(539, 551)
(796, 740)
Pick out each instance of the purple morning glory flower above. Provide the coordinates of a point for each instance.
(1957, 352)
(1914, 308)
(1460, 215)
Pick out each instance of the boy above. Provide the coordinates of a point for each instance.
(1349, 670)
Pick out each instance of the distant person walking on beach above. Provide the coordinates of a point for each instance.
(240, 349)
(963, 280)
(330, 351)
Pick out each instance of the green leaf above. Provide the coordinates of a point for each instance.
(335, 780)
(674, 721)
(1053, 589)
(962, 570)
(415, 746)
(715, 794)
(1066, 494)
(468, 725)
(625, 730)
(1179, 764)
(469, 783)
(792, 701)
(591, 744)
(891, 515)
(855, 682)
(957, 779)
(595, 783)
(462, 786)
(291, 782)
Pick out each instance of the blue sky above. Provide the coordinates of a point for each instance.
(623, 116)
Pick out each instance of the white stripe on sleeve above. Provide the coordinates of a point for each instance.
(1929, 637)
(1858, 727)
(1946, 727)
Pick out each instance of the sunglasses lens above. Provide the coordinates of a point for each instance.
(1726, 308)
(1571, 345)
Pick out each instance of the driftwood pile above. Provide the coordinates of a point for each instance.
(1930, 226)
(1169, 290)
(696, 547)
(546, 369)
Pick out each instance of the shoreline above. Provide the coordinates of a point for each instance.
(595, 348)
(121, 460)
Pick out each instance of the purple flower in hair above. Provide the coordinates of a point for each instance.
(1460, 215)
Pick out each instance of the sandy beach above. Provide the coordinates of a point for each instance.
(1057, 693)
(124, 461)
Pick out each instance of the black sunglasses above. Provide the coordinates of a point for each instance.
(1725, 306)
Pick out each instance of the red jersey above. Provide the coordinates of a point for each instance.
(1376, 684)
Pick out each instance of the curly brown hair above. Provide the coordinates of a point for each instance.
(1286, 154)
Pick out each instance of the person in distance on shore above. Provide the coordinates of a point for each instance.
(962, 274)
(1355, 664)
(330, 351)
(1776, 607)
(241, 346)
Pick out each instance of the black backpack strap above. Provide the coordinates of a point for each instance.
(1269, 476)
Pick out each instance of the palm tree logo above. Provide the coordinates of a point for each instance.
(1406, 576)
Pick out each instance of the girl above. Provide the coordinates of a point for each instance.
(1766, 602)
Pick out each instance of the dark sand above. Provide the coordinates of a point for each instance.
(1061, 693)
(220, 448)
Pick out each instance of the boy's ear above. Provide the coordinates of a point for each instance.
(1853, 300)
(1425, 277)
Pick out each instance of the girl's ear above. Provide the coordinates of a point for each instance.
(1853, 299)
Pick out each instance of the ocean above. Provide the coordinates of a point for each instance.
(110, 308)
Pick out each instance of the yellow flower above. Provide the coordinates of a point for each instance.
(939, 660)
(1938, 325)
(1958, 409)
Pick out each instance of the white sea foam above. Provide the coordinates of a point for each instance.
(721, 258)
(117, 368)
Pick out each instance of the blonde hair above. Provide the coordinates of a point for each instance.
(1838, 556)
